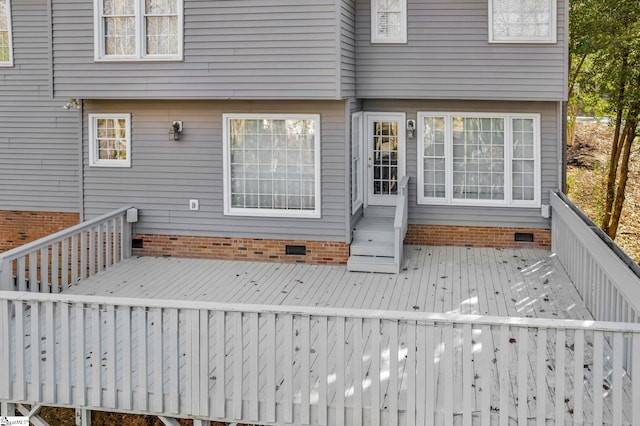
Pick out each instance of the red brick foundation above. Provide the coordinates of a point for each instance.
(475, 236)
(318, 252)
(20, 227)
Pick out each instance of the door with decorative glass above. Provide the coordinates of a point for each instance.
(385, 141)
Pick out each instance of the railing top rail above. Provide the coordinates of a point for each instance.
(321, 311)
(624, 257)
(400, 206)
(58, 236)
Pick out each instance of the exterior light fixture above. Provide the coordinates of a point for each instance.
(175, 130)
(72, 104)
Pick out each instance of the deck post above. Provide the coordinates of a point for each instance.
(6, 275)
(83, 417)
(7, 409)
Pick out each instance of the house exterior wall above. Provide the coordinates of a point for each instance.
(165, 175)
(509, 217)
(243, 49)
(39, 142)
(21, 227)
(448, 56)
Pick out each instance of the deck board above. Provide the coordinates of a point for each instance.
(481, 281)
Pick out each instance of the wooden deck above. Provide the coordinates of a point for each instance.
(481, 281)
(284, 368)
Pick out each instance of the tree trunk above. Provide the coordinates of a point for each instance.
(616, 149)
(629, 136)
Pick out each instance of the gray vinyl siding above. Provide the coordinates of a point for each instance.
(448, 56)
(481, 216)
(241, 49)
(39, 162)
(165, 175)
(347, 48)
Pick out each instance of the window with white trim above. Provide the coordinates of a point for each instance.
(388, 21)
(110, 140)
(357, 178)
(138, 29)
(522, 21)
(479, 159)
(272, 165)
(6, 48)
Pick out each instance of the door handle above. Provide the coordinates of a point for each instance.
(369, 163)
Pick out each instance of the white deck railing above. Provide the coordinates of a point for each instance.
(52, 263)
(607, 279)
(297, 365)
(401, 221)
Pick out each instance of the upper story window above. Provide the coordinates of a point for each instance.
(522, 21)
(388, 21)
(110, 140)
(138, 29)
(272, 165)
(479, 159)
(6, 50)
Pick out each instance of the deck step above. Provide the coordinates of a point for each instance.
(376, 228)
(373, 246)
(384, 265)
(379, 211)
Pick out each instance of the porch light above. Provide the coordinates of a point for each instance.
(175, 130)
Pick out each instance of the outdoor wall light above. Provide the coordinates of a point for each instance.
(175, 130)
(411, 129)
(72, 104)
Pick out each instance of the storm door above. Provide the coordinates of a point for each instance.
(385, 141)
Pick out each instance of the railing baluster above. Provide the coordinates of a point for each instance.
(107, 243)
(446, 358)
(560, 373)
(410, 373)
(174, 348)
(340, 371)
(618, 353)
(81, 355)
(20, 274)
(486, 361)
(635, 379)
(127, 391)
(100, 247)
(503, 374)
(598, 364)
(142, 359)
(64, 264)
(35, 393)
(541, 374)
(74, 259)
(5, 366)
(523, 364)
(50, 354)
(287, 401)
(392, 393)
(55, 271)
(109, 318)
(305, 370)
(20, 389)
(205, 343)
(96, 352)
(238, 359)
(33, 271)
(84, 235)
(270, 389)
(321, 353)
(221, 368)
(578, 375)
(158, 397)
(375, 372)
(357, 371)
(254, 366)
(430, 379)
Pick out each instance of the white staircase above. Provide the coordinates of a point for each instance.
(372, 248)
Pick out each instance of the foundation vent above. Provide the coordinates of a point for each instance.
(296, 250)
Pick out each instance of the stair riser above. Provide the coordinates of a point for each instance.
(373, 235)
(365, 250)
(385, 268)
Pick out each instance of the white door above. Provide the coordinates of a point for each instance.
(385, 142)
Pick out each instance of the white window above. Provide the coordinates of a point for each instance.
(272, 165)
(357, 178)
(479, 159)
(138, 29)
(6, 48)
(522, 21)
(110, 140)
(388, 21)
